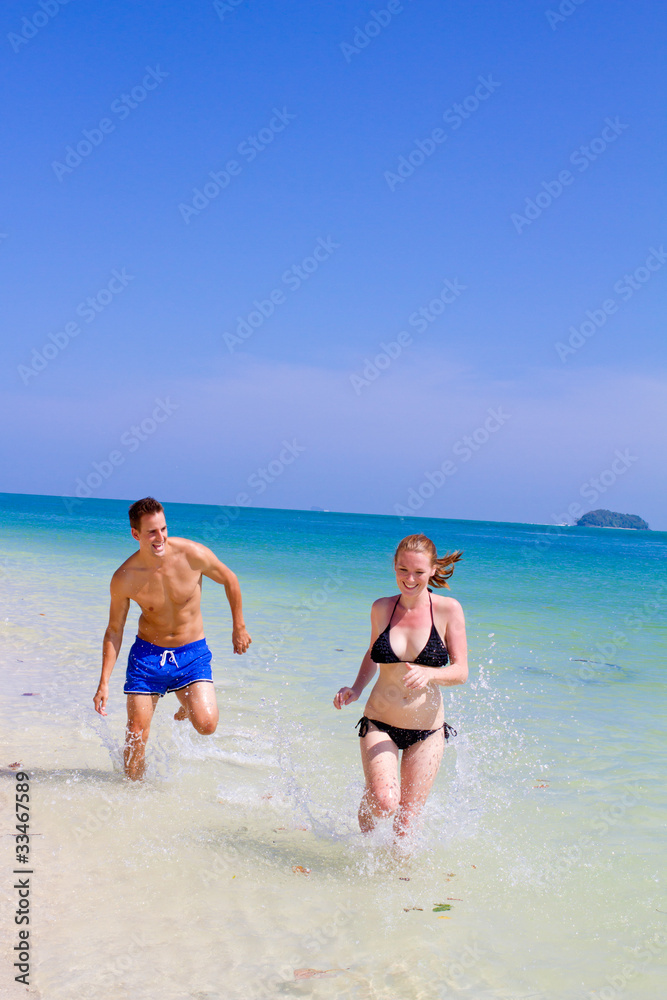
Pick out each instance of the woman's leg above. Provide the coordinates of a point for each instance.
(379, 756)
(419, 767)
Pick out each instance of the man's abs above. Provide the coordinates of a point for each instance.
(170, 607)
(175, 629)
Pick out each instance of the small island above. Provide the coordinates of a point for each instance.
(611, 519)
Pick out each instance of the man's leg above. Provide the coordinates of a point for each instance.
(140, 708)
(199, 705)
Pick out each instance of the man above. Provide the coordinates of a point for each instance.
(170, 653)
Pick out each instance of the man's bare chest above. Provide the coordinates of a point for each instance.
(161, 591)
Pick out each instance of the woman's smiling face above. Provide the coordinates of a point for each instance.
(413, 571)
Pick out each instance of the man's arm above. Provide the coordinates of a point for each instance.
(209, 564)
(113, 638)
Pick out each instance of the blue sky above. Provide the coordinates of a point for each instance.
(509, 284)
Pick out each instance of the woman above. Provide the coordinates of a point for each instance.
(419, 641)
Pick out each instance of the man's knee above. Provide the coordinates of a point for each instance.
(206, 727)
(137, 732)
(204, 718)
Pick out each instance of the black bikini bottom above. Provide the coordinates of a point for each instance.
(403, 738)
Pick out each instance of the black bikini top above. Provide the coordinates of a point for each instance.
(434, 653)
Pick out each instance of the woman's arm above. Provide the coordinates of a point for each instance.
(367, 670)
(456, 672)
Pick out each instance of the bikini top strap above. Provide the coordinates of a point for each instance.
(430, 600)
(392, 613)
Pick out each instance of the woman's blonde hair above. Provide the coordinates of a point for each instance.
(444, 566)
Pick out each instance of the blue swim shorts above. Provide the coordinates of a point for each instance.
(156, 670)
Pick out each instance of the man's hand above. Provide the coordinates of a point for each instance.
(417, 677)
(240, 639)
(100, 699)
(345, 697)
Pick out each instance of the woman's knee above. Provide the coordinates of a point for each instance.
(411, 807)
(384, 801)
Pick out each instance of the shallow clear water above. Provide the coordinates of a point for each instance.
(543, 831)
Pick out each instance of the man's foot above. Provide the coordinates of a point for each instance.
(181, 714)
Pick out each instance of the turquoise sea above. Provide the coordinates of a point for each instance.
(238, 860)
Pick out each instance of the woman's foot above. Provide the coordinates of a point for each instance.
(181, 714)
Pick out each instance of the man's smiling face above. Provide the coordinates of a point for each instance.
(152, 535)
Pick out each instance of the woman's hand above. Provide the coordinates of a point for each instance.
(417, 677)
(345, 697)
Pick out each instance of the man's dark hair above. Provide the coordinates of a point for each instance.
(149, 505)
